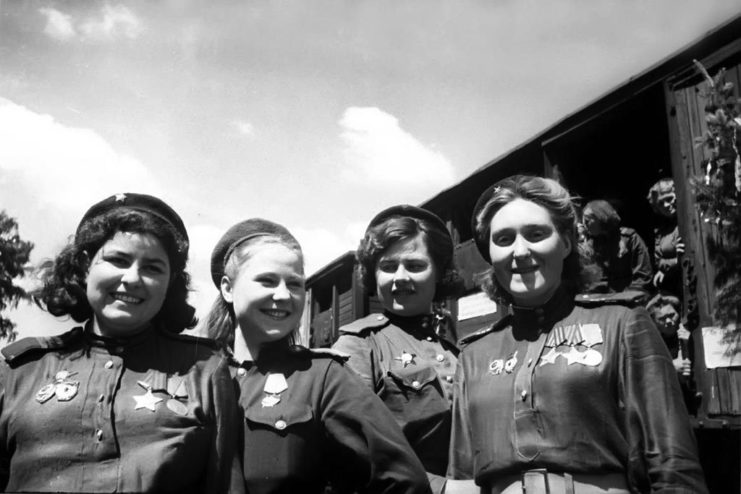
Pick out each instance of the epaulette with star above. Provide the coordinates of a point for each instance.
(30, 345)
(369, 322)
(498, 325)
(629, 298)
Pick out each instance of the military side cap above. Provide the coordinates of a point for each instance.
(236, 235)
(137, 202)
(371, 321)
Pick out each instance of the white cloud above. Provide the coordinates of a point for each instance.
(58, 25)
(245, 128)
(65, 168)
(378, 150)
(110, 23)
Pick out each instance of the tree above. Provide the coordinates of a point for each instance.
(14, 254)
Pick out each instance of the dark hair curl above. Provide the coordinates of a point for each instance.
(64, 290)
(380, 237)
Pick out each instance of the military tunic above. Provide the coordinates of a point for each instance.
(581, 389)
(81, 413)
(319, 426)
(410, 363)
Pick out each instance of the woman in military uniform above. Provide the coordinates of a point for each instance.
(306, 421)
(408, 355)
(123, 403)
(564, 394)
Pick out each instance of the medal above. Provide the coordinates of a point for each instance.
(549, 358)
(573, 356)
(275, 383)
(147, 400)
(270, 401)
(591, 358)
(406, 358)
(65, 391)
(591, 333)
(177, 406)
(45, 393)
(510, 364)
(496, 366)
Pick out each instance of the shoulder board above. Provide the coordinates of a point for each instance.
(371, 321)
(322, 352)
(468, 339)
(192, 339)
(29, 345)
(630, 298)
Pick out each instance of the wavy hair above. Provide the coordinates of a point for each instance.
(380, 237)
(545, 192)
(64, 290)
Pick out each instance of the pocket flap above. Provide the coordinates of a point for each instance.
(279, 417)
(414, 377)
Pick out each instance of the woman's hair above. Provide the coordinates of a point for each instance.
(221, 320)
(602, 212)
(378, 238)
(661, 188)
(64, 291)
(546, 193)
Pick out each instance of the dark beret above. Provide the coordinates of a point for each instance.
(137, 202)
(409, 211)
(482, 239)
(241, 232)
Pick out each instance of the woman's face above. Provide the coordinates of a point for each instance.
(527, 252)
(666, 205)
(267, 292)
(406, 277)
(127, 283)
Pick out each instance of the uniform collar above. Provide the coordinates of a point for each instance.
(439, 326)
(116, 345)
(543, 317)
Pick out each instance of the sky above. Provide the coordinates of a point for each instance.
(316, 114)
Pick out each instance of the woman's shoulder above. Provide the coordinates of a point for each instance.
(474, 338)
(365, 326)
(32, 348)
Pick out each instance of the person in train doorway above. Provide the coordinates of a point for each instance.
(408, 354)
(668, 245)
(306, 422)
(565, 394)
(617, 251)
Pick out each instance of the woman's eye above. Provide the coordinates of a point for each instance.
(119, 262)
(502, 240)
(154, 269)
(387, 267)
(416, 267)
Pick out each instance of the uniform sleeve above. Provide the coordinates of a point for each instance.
(640, 262)
(362, 358)
(663, 453)
(460, 464)
(224, 470)
(367, 449)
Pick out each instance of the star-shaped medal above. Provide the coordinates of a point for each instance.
(549, 358)
(574, 356)
(147, 400)
(406, 358)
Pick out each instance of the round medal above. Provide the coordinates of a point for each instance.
(591, 358)
(67, 390)
(45, 393)
(177, 406)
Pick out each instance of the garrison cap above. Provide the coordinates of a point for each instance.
(241, 232)
(137, 202)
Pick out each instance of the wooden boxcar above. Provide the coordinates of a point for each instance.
(614, 148)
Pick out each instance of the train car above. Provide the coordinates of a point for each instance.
(614, 148)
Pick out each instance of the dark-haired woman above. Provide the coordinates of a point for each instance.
(123, 403)
(306, 422)
(564, 395)
(407, 355)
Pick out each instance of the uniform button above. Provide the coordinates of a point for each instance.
(280, 425)
(529, 362)
(380, 318)
(99, 434)
(416, 384)
(440, 357)
(429, 338)
(524, 394)
(449, 379)
(241, 371)
(109, 364)
(101, 398)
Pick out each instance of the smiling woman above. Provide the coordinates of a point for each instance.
(125, 403)
(307, 425)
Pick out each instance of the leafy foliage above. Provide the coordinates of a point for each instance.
(718, 192)
(14, 254)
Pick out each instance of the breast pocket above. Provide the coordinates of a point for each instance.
(281, 442)
(414, 395)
